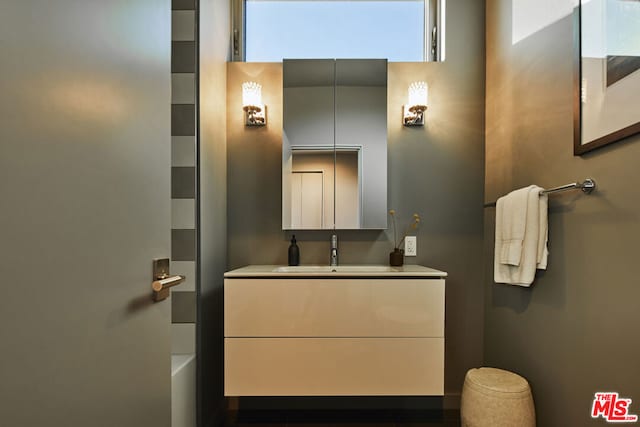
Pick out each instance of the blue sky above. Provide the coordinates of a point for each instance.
(334, 29)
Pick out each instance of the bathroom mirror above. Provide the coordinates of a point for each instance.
(334, 148)
(607, 73)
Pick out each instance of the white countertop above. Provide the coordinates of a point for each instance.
(339, 271)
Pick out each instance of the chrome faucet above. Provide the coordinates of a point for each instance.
(333, 257)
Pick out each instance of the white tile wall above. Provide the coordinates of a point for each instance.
(183, 151)
(183, 155)
(183, 88)
(183, 338)
(183, 213)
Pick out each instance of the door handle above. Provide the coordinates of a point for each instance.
(161, 287)
(162, 280)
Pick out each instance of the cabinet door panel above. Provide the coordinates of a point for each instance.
(334, 308)
(334, 366)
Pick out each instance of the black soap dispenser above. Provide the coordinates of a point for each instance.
(294, 252)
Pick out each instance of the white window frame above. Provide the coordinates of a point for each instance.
(434, 31)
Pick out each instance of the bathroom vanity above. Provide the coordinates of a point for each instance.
(334, 331)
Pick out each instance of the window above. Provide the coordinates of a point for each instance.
(270, 30)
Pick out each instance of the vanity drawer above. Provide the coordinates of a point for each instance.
(334, 366)
(334, 307)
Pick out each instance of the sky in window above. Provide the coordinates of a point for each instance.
(391, 29)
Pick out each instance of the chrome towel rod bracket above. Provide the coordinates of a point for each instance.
(587, 186)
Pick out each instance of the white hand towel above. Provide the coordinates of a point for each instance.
(543, 232)
(512, 211)
(520, 268)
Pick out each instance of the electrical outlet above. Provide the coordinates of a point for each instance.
(411, 246)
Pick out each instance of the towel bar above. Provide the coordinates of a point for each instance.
(587, 186)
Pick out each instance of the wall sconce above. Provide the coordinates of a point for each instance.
(255, 113)
(413, 112)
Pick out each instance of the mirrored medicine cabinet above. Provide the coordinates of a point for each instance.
(334, 149)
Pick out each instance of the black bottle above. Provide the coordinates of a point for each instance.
(294, 252)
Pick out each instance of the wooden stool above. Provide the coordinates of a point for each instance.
(496, 398)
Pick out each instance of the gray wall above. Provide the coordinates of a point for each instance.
(214, 52)
(575, 331)
(436, 171)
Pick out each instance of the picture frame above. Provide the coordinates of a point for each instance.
(606, 73)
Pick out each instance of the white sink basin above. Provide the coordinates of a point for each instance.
(318, 271)
(337, 269)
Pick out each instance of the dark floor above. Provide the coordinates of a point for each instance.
(343, 419)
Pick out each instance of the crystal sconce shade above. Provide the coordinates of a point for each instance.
(413, 112)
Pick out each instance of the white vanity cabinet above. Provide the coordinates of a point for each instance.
(334, 334)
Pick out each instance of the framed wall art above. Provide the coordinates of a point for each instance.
(607, 73)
